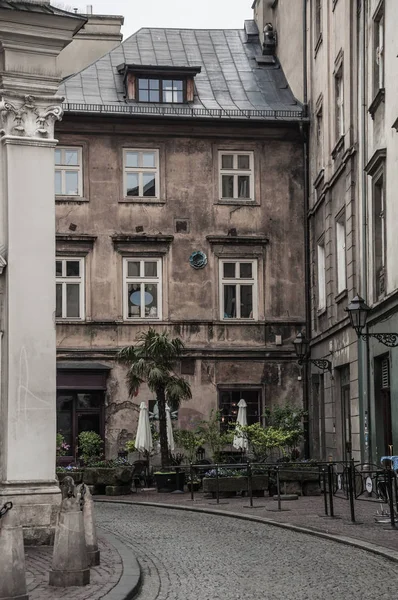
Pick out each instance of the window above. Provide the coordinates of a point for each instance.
(228, 406)
(161, 90)
(379, 235)
(238, 289)
(321, 277)
(378, 52)
(236, 176)
(69, 288)
(68, 172)
(142, 288)
(141, 173)
(319, 137)
(318, 19)
(341, 255)
(339, 103)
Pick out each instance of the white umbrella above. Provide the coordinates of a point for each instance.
(143, 439)
(170, 437)
(240, 441)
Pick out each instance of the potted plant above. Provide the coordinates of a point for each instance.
(234, 481)
(72, 471)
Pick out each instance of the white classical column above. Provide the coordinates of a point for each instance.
(28, 111)
(29, 348)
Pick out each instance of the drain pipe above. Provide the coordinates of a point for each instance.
(363, 346)
(307, 300)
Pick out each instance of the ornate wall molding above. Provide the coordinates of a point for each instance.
(29, 116)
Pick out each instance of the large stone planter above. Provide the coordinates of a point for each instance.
(301, 482)
(77, 476)
(233, 485)
(104, 479)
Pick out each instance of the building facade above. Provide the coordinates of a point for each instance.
(179, 206)
(348, 59)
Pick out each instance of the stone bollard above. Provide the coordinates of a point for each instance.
(90, 531)
(12, 556)
(70, 565)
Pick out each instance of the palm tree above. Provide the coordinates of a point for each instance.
(152, 361)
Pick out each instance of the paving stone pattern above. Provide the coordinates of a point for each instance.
(187, 555)
(305, 512)
(103, 578)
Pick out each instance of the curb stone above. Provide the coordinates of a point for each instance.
(130, 581)
(391, 555)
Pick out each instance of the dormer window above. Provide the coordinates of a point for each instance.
(161, 90)
(159, 84)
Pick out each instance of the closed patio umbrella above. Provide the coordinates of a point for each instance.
(240, 441)
(170, 436)
(143, 439)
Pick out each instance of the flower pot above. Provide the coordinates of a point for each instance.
(169, 482)
(302, 482)
(102, 477)
(234, 485)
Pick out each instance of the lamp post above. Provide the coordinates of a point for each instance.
(358, 312)
(301, 346)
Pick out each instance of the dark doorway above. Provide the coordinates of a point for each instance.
(383, 405)
(345, 395)
(79, 411)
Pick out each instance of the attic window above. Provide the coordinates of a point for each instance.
(161, 90)
(160, 84)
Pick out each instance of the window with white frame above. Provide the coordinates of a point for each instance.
(238, 289)
(142, 288)
(141, 173)
(236, 175)
(339, 103)
(378, 51)
(68, 171)
(321, 276)
(341, 255)
(69, 288)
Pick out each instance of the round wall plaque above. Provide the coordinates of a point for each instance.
(198, 259)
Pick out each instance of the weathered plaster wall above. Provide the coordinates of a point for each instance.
(226, 352)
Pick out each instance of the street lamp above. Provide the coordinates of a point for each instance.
(358, 312)
(301, 346)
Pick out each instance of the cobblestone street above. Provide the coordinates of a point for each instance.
(185, 555)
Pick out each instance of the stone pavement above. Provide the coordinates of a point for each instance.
(106, 579)
(305, 512)
(189, 555)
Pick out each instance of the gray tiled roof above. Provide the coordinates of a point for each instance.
(231, 82)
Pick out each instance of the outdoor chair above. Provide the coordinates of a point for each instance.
(140, 473)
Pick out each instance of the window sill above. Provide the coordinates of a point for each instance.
(136, 200)
(142, 320)
(338, 147)
(223, 321)
(68, 321)
(378, 99)
(341, 296)
(318, 44)
(70, 199)
(321, 311)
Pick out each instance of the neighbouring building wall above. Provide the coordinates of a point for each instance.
(287, 19)
(100, 34)
(380, 147)
(253, 358)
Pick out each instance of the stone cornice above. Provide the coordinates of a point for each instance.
(29, 116)
(238, 240)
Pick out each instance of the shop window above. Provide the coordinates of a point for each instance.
(228, 406)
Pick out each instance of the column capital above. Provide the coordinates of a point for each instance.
(29, 116)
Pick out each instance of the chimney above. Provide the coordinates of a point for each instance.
(89, 10)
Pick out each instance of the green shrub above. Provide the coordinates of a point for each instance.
(91, 446)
